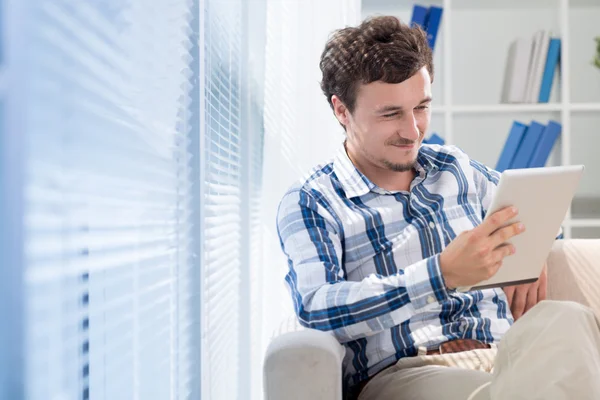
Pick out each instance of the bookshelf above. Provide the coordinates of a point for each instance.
(469, 60)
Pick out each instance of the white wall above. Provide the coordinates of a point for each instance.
(584, 25)
(300, 128)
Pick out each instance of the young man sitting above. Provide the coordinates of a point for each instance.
(379, 239)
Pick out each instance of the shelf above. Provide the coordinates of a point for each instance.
(499, 108)
(585, 107)
(588, 232)
(385, 6)
(584, 3)
(494, 5)
(583, 223)
(382, 5)
(585, 208)
(515, 108)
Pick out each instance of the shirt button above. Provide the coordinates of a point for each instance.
(431, 224)
(430, 299)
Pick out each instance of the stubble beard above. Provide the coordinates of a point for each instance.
(399, 167)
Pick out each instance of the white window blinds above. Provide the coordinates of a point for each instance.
(233, 82)
(256, 14)
(105, 97)
(222, 200)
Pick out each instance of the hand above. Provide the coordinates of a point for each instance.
(476, 255)
(521, 298)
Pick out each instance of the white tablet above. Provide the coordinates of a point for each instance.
(543, 197)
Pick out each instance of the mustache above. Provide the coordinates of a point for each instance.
(402, 141)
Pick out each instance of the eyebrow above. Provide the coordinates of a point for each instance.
(391, 108)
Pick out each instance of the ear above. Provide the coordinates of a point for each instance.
(340, 110)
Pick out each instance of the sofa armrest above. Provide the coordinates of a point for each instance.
(574, 272)
(305, 364)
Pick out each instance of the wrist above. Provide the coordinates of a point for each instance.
(425, 283)
(447, 275)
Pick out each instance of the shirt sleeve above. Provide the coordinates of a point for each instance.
(311, 237)
(486, 181)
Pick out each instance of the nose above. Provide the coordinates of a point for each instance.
(410, 127)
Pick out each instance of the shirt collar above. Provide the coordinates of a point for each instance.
(426, 158)
(356, 184)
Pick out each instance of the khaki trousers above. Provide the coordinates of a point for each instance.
(551, 353)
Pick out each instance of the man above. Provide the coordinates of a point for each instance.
(378, 240)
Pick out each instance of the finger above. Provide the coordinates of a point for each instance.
(543, 285)
(532, 298)
(492, 269)
(500, 252)
(519, 301)
(510, 292)
(542, 292)
(500, 236)
(496, 220)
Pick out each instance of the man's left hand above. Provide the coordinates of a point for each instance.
(521, 298)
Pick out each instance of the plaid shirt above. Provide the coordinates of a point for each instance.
(364, 261)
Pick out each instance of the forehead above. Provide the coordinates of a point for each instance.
(379, 93)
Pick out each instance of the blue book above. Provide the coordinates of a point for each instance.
(419, 16)
(544, 147)
(433, 24)
(515, 137)
(435, 139)
(528, 145)
(549, 70)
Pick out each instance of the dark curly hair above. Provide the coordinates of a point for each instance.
(379, 49)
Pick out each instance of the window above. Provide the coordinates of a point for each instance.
(130, 178)
(222, 200)
(97, 176)
(232, 81)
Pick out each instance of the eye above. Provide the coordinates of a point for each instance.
(423, 107)
(390, 115)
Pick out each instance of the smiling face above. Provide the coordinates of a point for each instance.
(377, 79)
(388, 122)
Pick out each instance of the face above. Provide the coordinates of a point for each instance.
(388, 123)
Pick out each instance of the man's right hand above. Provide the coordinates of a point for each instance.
(476, 255)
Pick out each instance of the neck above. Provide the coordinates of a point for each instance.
(383, 177)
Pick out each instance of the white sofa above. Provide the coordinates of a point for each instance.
(303, 363)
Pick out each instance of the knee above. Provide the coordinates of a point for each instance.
(564, 306)
(567, 310)
(563, 318)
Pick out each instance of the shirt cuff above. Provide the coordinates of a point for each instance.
(425, 283)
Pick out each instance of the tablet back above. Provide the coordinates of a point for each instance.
(543, 197)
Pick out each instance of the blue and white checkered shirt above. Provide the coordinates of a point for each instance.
(364, 261)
